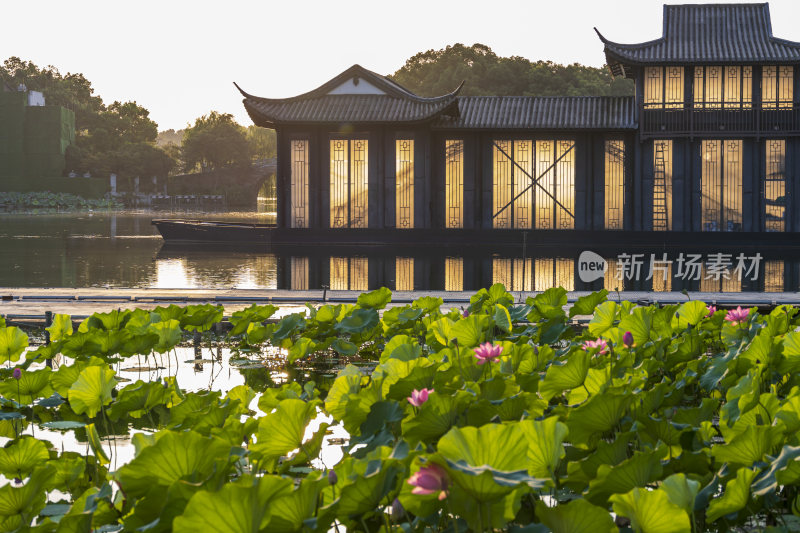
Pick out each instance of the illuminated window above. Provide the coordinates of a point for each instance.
(662, 278)
(299, 274)
(404, 168)
(548, 273)
(454, 184)
(663, 87)
(721, 185)
(662, 185)
(775, 186)
(555, 184)
(349, 183)
(514, 274)
(299, 214)
(349, 274)
(777, 86)
(404, 274)
(716, 87)
(615, 183)
(512, 190)
(719, 282)
(454, 273)
(773, 276)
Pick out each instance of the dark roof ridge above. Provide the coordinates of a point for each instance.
(389, 86)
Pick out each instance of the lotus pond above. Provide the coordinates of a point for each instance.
(503, 416)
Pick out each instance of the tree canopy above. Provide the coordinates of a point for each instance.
(437, 72)
(215, 141)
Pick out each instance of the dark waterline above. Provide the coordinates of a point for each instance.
(123, 250)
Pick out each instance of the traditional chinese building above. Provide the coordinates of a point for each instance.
(707, 145)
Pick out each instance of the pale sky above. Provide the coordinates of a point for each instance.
(179, 58)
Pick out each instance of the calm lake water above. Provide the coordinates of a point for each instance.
(123, 250)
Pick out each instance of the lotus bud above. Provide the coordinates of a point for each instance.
(332, 477)
(627, 339)
(17, 373)
(397, 510)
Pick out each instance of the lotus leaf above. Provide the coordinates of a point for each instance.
(577, 516)
(12, 343)
(651, 511)
(92, 390)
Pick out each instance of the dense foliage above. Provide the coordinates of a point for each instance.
(437, 72)
(506, 416)
(51, 200)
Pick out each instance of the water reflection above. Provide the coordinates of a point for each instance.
(124, 250)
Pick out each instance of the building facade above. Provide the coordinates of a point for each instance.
(707, 145)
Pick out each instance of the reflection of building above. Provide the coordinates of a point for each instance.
(706, 145)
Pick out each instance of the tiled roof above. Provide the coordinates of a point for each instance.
(396, 104)
(542, 112)
(702, 33)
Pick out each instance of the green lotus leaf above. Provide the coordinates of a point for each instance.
(429, 304)
(487, 462)
(288, 513)
(19, 504)
(470, 331)
(377, 299)
(735, 497)
(240, 320)
(598, 415)
(442, 331)
(12, 343)
(345, 400)
(96, 444)
(604, 316)
(136, 399)
(783, 470)
(545, 445)
(651, 511)
(239, 507)
(585, 305)
(63, 425)
(21, 456)
(92, 390)
(282, 431)
(359, 321)
(112, 320)
(401, 347)
(550, 303)
(174, 456)
(368, 489)
(502, 319)
(749, 446)
(577, 516)
(270, 398)
(301, 348)
(689, 314)
(173, 312)
(402, 377)
(32, 384)
(681, 491)
(488, 516)
(60, 328)
(168, 332)
(201, 317)
(639, 323)
(434, 418)
(564, 377)
(69, 471)
(638, 471)
(344, 348)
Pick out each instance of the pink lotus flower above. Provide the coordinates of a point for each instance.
(737, 316)
(487, 352)
(429, 480)
(418, 397)
(711, 310)
(627, 339)
(600, 345)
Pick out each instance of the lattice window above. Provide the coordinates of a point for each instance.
(721, 185)
(454, 184)
(663, 87)
(299, 183)
(553, 272)
(349, 274)
(454, 273)
(777, 86)
(349, 197)
(717, 87)
(404, 168)
(404, 274)
(614, 183)
(514, 274)
(512, 193)
(775, 186)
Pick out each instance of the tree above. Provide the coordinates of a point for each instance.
(263, 142)
(437, 72)
(215, 141)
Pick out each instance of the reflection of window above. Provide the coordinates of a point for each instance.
(404, 168)
(299, 214)
(514, 274)
(615, 183)
(777, 86)
(454, 184)
(662, 277)
(550, 273)
(663, 87)
(729, 87)
(773, 276)
(717, 282)
(512, 193)
(299, 274)
(555, 185)
(349, 183)
(721, 185)
(775, 186)
(404, 274)
(349, 274)
(454, 273)
(662, 185)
